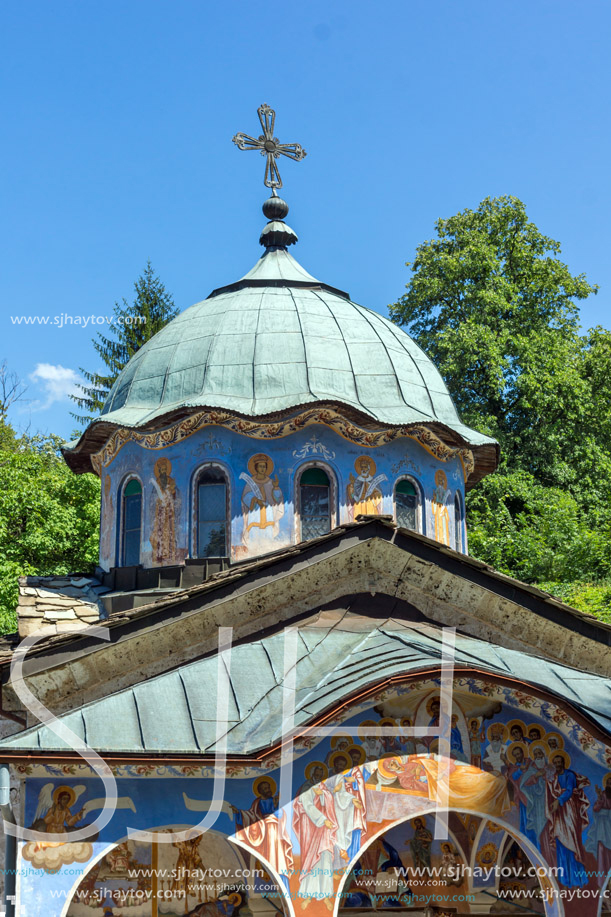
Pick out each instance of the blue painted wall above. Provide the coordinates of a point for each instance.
(169, 496)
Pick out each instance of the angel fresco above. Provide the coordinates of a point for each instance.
(262, 504)
(363, 495)
(439, 506)
(163, 533)
(54, 815)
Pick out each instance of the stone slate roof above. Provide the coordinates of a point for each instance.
(339, 653)
(276, 340)
(59, 603)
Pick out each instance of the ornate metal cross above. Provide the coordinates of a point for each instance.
(269, 146)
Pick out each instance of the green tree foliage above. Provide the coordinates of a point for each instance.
(49, 516)
(134, 325)
(493, 305)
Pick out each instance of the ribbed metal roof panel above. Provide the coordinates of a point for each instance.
(276, 340)
(175, 712)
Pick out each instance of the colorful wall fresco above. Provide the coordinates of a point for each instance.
(262, 479)
(522, 771)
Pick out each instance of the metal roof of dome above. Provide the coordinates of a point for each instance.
(273, 341)
(276, 340)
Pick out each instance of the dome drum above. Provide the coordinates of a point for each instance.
(217, 492)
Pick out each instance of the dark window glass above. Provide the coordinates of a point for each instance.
(458, 523)
(132, 522)
(406, 505)
(212, 515)
(315, 503)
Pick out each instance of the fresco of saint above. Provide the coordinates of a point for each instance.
(476, 740)
(107, 527)
(567, 812)
(599, 835)
(315, 824)
(495, 758)
(420, 844)
(348, 789)
(534, 787)
(163, 533)
(439, 506)
(363, 495)
(517, 770)
(265, 832)
(262, 504)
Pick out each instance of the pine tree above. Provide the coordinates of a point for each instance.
(134, 325)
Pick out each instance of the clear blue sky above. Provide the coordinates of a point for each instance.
(118, 120)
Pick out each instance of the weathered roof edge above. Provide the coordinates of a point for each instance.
(78, 453)
(364, 529)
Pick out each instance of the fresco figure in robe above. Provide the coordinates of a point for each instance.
(456, 746)
(373, 747)
(406, 740)
(517, 731)
(189, 863)
(363, 495)
(106, 529)
(477, 737)
(554, 741)
(567, 812)
(264, 831)
(407, 770)
(315, 824)
(598, 841)
(339, 742)
(534, 787)
(420, 844)
(450, 870)
(348, 789)
(517, 770)
(439, 506)
(262, 505)
(495, 758)
(58, 819)
(163, 533)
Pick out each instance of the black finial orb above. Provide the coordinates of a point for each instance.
(275, 208)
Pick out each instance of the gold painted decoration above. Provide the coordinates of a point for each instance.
(371, 439)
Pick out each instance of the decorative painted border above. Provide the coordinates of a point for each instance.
(258, 430)
(546, 710)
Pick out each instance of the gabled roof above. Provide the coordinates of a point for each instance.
(421, 580)
(339, 653)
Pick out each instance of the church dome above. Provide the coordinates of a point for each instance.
(276, 340)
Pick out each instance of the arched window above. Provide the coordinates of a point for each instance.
(407, 508)
(212, 514)
(458, 523)
(132, 523)
(314, 503)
